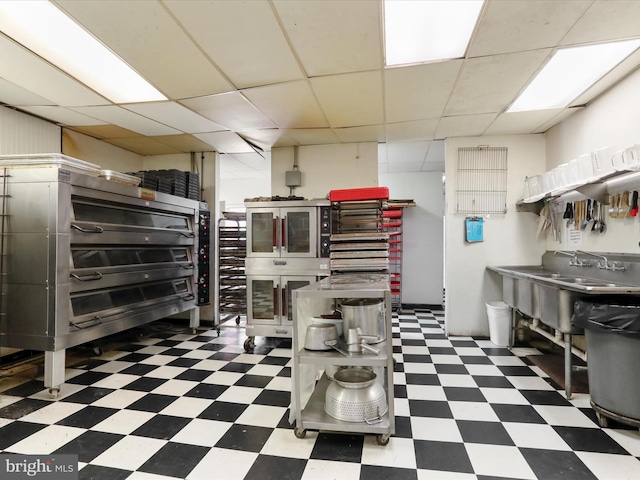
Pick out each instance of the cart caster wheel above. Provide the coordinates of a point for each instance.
(249, 344)
(237, 320)
(602, 420)
(382, 440)
(194, 331)
(97, 351)
(300, 432)
(54, 392)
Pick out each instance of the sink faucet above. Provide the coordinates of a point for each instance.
(613, 266)
(575, 261)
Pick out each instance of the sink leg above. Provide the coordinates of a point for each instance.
(567, 364)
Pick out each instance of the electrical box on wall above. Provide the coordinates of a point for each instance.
(293, 178)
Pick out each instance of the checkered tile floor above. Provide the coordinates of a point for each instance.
(169, 404)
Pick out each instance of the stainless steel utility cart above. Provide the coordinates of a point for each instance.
(309, 372)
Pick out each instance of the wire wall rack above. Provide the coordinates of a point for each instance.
(482, 180)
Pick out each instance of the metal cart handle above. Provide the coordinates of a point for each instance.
(87, 278)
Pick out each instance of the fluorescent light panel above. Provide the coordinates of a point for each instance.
(569, 73)
(47, 31)
(418, 31)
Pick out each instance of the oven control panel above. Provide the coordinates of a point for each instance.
(325, 231)
(204, 263)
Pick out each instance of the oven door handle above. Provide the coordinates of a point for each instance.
(87, 278)
(188, 266)
(96, 229)
(187, 235)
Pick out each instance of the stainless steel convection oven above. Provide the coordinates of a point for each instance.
(287, 248)
(84, 257)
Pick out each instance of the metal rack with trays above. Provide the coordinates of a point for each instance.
(232, 280)
(392, 224)
(308, 393)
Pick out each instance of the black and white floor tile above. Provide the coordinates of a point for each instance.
(168, 404)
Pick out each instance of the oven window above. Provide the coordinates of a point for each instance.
(85, 212)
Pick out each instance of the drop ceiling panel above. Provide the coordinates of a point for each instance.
(244, 40)
(351, 44)
(407, 152)
(126, 119)
(382, 153)
(143, 146)
(312, 136)
(12, 94)
(415, 130)
(225, 142)
(520, 122)
(145, 35)
(105, 131)
(184, 143)
(419, 92)
(63, 116)
(487, 84)
(370, 133)
(432, 167)
(289, 105)
(231, 110)
(404, 167)
(516, 26)
(352, 99)
(176, 116)
(254, 161)
(21, 67)
(265, 139)
(606, 20)
(464, 125)
(435, 155)
(567, 112)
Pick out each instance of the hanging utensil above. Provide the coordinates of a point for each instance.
(571, 213)
(585, 215)
(596, 216)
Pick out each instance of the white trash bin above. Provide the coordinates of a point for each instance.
(499, 314)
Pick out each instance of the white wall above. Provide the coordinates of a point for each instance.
(509, 239)
(325, 168)
(423, 249)
(612, 120)
(21, 133)
(107, 156)
(234, 191)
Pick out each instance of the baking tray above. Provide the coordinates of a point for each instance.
(50, 160)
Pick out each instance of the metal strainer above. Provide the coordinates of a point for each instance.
(355, 396)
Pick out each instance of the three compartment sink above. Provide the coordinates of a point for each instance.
(549, 295)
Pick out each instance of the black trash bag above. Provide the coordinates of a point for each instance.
(608, 314)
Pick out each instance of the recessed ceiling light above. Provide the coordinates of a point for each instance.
(417, 31)
(570, 72)
(44, 29)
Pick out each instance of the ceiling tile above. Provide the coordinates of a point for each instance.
(231, 110)
(126, 119)
(407, 152)
(382, 153)
(352, 43)
(418, 92)
(302, 109)
(567, 112)
(520, 122)
(436, 152)
(352, 99)
(265, 139)
(105, 131)
(415, 130)
(243, 39)
(184, 143)
(254, 161)
(145, 35)
(432, 167)
(312, 136)
(369, 133)
(516, 26)
(62, 115)
(464, 125)
(487, 84)
(176, 116)
(606, 20)
(143, 145)
(21, 67)
(12, 94)
(225, 142)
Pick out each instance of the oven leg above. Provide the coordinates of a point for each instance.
(54, 363)
(194, 319)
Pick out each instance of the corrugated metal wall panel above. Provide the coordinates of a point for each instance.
(21, 133)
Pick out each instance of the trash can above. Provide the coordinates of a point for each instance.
(499, 315)
(612, 331)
